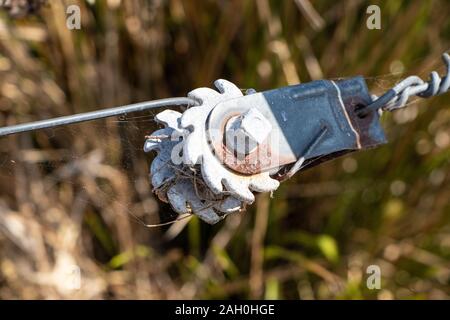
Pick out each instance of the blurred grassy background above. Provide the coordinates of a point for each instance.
(73, 196)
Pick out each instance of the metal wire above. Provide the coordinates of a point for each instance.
(98, 114)
(398, 96)
(395, 98)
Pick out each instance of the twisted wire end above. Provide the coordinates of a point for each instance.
(398, 96)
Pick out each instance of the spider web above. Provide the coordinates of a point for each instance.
(100, 164)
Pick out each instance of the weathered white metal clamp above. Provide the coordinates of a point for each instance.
(233, 145)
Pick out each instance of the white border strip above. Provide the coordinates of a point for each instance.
(358, 142)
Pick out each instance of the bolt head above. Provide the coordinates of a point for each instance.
(255, 125)
(245, 132)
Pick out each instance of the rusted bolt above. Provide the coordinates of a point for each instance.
(245, 132)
